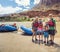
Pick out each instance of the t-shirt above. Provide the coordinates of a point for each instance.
(46, 34)
(40, 28)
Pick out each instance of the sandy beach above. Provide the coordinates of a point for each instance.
(16, 42)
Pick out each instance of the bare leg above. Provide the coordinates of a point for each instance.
(44, 40)
(41, 37)
(53, 39)
(33, 35)
(50, 37)
(47, 39)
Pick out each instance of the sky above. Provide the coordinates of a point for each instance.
(15, 6)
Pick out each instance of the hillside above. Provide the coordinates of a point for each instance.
(40, 13)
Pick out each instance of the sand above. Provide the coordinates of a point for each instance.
(16, 42)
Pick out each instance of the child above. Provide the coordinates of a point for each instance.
(46, 34)
(40, 31)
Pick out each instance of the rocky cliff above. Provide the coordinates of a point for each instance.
(47, 5)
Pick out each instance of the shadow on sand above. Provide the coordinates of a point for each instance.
(25, 34)
(8, 32)
(56, 45)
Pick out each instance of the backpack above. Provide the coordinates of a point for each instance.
(51, 23)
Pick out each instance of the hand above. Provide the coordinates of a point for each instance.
(32, 30)
(55, 31)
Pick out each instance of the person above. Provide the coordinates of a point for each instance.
(40, 31)
(52, 29)
(46, 34)
(14, 25)
(34, 29)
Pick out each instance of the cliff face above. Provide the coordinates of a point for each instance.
(50, 2)
(40, 13)
(47, 5)
(44, 8)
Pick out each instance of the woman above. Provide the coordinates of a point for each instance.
(40, 31)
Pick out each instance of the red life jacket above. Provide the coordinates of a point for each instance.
(40, 25)
(51, 23)
(35, 24)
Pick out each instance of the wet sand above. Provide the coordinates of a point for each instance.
(16, 42)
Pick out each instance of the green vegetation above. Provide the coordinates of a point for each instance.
(19, 19)
(22, 19)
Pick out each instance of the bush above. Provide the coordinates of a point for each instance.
(28, 19)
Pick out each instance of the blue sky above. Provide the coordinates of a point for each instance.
(13, 6)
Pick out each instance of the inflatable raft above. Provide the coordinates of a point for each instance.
(26, 30)
(7, 28)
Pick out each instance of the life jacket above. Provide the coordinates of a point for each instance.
(41, 25)
(51, 23)
(35, 24)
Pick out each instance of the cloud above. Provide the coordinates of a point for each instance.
(36, 1)
(23, 2)
(23, 5)
(25, 9)
(9, 9)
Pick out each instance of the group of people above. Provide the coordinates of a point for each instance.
(45, 32)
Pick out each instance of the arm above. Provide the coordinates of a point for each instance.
(55, 27)
(55, 24)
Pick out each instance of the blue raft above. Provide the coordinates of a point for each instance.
(26, 30)
(7, 28)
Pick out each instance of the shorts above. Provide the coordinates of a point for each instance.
(34, 28)
(46, 34)
(52, 32)
(40, 32)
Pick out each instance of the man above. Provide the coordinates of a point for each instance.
(34, 29)
(52, 29)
